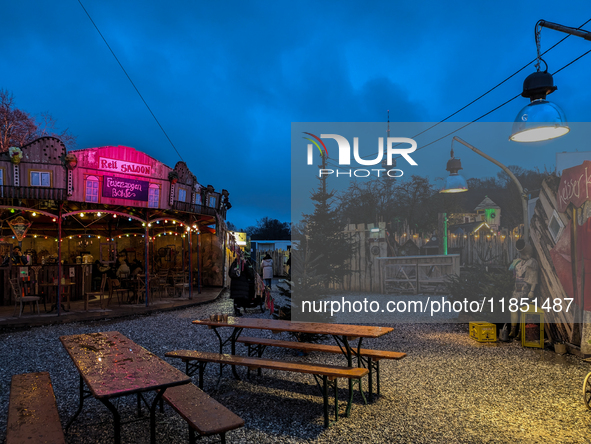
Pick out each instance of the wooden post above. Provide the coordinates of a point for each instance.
(573, 256)
(441, 229)
(198, 264)
(417, 273)
(59, 260)
(147, 257)
(190, 235)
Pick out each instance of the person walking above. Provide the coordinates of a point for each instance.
(242, 284)
(267, 268)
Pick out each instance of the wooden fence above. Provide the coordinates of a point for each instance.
(373, 244)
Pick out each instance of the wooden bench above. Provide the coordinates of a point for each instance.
(204, 414)
(371, 357)
(329, 373)
(32, 411)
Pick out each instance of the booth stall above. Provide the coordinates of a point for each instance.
(67, 210)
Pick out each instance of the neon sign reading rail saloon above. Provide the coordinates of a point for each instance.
(121, 166)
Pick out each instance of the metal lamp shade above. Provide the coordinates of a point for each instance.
(540, 120)
(455, 183)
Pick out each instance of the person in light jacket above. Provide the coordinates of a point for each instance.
(267, 268)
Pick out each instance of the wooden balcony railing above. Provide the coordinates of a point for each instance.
(193, 208)
(39, 193)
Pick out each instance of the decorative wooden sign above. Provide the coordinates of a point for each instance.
(122, 188)
(575, 186)
(19, 226)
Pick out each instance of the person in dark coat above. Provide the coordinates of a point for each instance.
(18, 258)
(242, 284)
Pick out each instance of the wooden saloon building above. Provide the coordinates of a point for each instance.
(75, 207)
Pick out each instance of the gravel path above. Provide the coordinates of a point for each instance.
(449, 389)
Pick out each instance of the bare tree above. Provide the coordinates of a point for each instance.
(48, 127)
(17, 127)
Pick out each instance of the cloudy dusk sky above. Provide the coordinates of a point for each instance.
(227, 79)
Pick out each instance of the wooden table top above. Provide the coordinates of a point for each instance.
(358, 331)
(113, 365)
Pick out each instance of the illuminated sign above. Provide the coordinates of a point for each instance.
(122, 166)
(121, 188)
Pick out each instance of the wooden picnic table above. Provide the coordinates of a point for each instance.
(112, 365)
(342, 334)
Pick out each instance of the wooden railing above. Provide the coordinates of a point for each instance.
(193, 208)
(40, 193)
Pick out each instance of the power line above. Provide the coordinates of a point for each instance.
(129, 78)
(479, 118)
(492, 89)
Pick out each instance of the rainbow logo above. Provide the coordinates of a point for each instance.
(317, 146)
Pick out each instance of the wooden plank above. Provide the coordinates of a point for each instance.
(202, 412)
(363, 331)
(288, 366)
(32, 411)
(310, 347)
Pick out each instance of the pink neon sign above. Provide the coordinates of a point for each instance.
(121, 166)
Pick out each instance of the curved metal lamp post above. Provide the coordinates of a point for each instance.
(455, 175)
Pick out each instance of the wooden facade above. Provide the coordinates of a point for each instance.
(112, 198)
(559, 232)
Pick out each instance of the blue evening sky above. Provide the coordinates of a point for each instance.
(227, 79)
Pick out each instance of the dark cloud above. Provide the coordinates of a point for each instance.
(227, 79)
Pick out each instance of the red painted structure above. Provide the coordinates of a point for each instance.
(106, 192)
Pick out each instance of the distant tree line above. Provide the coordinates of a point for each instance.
(266, 229)
(417, 202)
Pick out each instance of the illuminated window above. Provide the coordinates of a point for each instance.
(154, 196)
(92, 189)
(40, 179)
(182, 195)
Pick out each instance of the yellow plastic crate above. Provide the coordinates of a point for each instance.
(483, 331)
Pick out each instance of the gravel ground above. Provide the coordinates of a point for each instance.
(449, 389)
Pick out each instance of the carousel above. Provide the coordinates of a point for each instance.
(72, 212)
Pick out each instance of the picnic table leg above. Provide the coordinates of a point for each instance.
(83, 394)
(233, 337)
(325, 396)
(153, 416)
(378, 376)
(235, 334)
(369, 378)
(116, 419)
(349, 355)
(336, 399)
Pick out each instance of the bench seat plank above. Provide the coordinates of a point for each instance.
(32, 411)
(201, 411)
(310, 347)
(332, 371)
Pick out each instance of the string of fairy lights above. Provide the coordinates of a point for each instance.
(166, 231)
